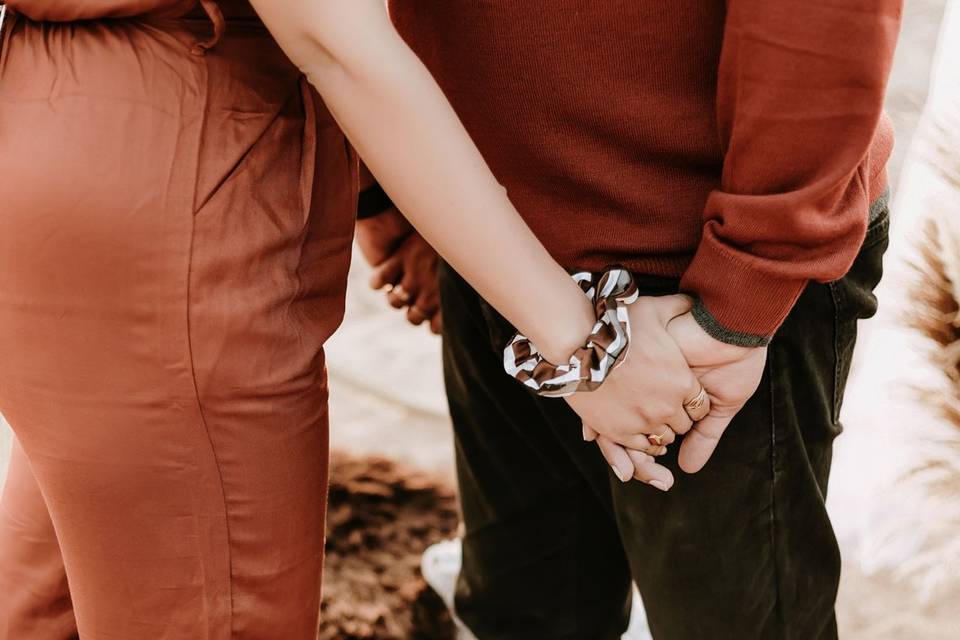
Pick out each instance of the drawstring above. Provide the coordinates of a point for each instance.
(219, 26)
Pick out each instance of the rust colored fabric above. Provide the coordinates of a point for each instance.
(738, 143)
(36, 599)
(175, 232)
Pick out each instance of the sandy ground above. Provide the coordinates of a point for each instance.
(406, 418)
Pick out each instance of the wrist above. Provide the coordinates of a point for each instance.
(580, 345)
(699, 346)
(373, 202)
(560, 337)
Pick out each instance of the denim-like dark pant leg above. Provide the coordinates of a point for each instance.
(742, 550)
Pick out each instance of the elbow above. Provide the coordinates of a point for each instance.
(343, 37)
(315, 58)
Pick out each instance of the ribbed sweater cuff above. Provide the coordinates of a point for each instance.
(737, 303)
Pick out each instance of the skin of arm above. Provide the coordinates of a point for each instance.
(388, 104)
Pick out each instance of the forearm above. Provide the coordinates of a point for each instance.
(398, 119)
(800, 95)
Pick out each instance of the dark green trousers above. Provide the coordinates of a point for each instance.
(742, 550)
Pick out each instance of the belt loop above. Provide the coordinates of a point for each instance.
(219, 26)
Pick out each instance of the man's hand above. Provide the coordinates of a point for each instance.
(411, 272)
(403, 261)
(730, 375)
(378, 237)
(643, 396)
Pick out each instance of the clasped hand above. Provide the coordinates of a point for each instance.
(670, 359)
(639, 411)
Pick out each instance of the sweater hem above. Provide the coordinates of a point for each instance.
(717, 331)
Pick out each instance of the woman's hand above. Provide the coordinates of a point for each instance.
(644, 396)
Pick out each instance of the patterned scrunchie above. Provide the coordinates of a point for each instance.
(605, 348)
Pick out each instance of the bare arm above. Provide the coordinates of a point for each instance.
(388, 104)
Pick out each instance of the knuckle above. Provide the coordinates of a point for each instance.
(663, 411)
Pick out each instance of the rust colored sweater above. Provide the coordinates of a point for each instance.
(738, 145)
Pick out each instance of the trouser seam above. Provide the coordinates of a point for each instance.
(192, 364)
(213, 448)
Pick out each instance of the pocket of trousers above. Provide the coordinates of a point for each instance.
(854, 300)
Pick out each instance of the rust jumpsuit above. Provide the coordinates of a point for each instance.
(175, 230)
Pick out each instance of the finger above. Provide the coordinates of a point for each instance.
(683, 419)
(680, 422)
(387, 274)
(616, 456)
(416, 316)
(411, 287)
(436, 323)
(427, 301)
(649, 472)
(398, 297)
(589, 435)
(663, 436)
(699, 444)
(639, 441)
(697, 405)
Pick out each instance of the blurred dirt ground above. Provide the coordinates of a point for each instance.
(382, 515)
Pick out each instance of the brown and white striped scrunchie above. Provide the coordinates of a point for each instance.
(605, 348)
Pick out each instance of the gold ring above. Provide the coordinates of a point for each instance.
(657, 440)
(699, 406)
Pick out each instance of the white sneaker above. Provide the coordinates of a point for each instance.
(440, 566)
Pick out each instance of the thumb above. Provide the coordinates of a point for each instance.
(700, 442)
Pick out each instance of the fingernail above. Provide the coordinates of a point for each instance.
(658, 485)
(617, 473)
(583, 432)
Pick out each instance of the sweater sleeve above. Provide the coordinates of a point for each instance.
(800, 95)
